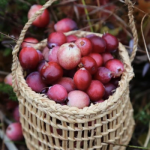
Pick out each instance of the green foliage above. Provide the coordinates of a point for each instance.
(144, 117)
(7, 52)
(7, 89)
(1, 37)
(3, 3)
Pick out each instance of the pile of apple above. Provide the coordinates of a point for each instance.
(70, 70)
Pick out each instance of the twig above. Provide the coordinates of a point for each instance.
(11, 21)
(53, 14)
(147, 138)
(4, 73)
(65, 3)
(141, 10)
(93, 7)
(9, 36)
(144, 38)
(102, 20)
(88, 18)
(25, 2)
(96, 9)
(3, 129)
(137, 49)
(76, 12)
(110, 12)
(136, 8)
(130, 146)
(15, 39)
(8, 143)
(5, 119)
(98, 4)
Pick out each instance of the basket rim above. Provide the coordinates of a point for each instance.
(47, 105)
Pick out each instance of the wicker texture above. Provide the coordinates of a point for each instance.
(47, 125)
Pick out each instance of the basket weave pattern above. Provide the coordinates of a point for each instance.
(47, 125)
(113, 126)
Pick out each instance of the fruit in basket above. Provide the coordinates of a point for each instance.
(84, 45)
(115, 66)
(67, 83)
(99, 44)
(52, 56)
(109, 90)
(78, 99)
(96, 90)
(69, 56)
(28, 58)
(71, 38)
(90, 36)
(29, 41)
(103, 74)
(115, 81)
(74, 68)
(45, 53)
(65, 25)
(59, 96)
(107, 56)
(51, 72)
(14, 132)
(35, 82)
(82, 79)
(41, 57)
(111, 42)
(98, 58)
(88, 63)
(99, 101)
(56, 39)
(42, 20)
(40, 65)
(69, 73)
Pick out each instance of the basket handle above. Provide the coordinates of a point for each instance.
(38, 13)
(132, 27)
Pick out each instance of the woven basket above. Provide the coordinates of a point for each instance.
(47, 125)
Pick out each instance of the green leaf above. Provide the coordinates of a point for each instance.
(148, 144)
(7, 52)
(114, 32)
(3, 3)
(7, 89)
(1, 37)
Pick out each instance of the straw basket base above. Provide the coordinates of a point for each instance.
(126, 140)
(37, 138)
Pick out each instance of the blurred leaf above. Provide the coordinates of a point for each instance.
(148, 145)
(144, 117)
(7, 89)
(114, 32)
(1, 37)
(142, 138)
(7, 52)
(3, 3)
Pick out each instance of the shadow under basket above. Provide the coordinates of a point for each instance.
(50, 126)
